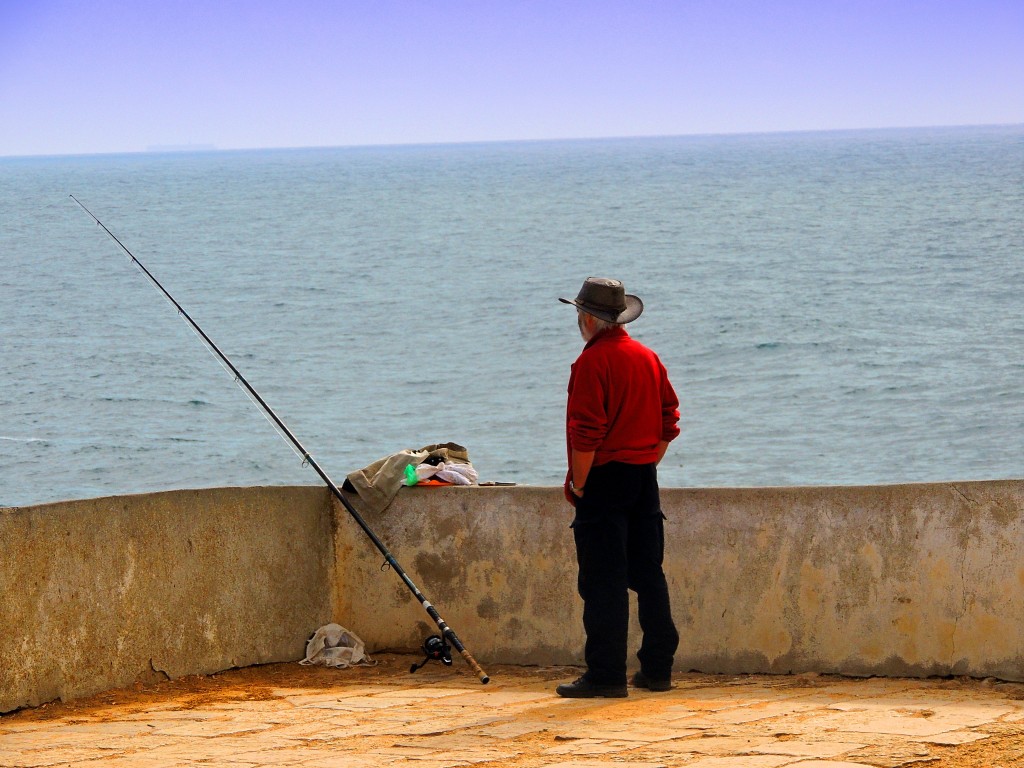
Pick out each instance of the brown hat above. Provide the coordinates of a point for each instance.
(607, 299)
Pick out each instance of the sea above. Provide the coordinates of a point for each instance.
(833, 308)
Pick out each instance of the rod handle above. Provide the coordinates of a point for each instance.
(475, 667)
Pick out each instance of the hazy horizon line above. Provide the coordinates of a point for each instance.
(206, 147)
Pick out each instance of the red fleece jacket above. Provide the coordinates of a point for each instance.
(621, 403)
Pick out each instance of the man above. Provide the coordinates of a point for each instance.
(621, 415)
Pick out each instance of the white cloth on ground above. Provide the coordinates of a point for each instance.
(334, 646)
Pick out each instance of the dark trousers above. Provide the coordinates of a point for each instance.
(620, 545)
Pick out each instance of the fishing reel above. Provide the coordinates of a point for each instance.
(436, 649)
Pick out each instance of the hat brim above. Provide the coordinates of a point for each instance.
(634, 307)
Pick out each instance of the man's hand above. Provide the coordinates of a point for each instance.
(662, 448)
(581, 463)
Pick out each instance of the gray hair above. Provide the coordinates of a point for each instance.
(602, 325)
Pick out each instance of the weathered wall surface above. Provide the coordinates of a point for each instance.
(887, 580)
(498, 564)
(910, 580)
(924, 579)
(97, 594)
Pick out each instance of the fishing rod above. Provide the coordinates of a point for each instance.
(446, 632)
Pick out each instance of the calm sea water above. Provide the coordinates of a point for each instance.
(834, 308)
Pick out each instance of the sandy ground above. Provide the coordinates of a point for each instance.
(997, 742)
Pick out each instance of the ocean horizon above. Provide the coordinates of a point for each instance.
(838, 307)
(205, 147)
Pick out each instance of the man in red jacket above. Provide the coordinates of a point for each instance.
(621, 415)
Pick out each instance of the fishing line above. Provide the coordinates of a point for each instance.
(446, 632)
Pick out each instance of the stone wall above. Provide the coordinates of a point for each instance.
(915, 580)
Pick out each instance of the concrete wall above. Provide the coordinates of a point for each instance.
(888, 580)
(498, 564)
(98, 594)
(909, 580)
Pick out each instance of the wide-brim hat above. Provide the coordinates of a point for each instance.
(607, 299)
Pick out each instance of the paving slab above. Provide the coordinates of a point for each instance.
(589, 747)
(741, 761)
(291, 715)
(602, 764)
(956, 737)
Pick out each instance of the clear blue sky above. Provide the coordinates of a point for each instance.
(120, 75)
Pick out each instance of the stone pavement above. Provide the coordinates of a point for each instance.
(287, 715)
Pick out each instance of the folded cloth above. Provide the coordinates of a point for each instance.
(334, 646)
(449, 472)
(379, 483)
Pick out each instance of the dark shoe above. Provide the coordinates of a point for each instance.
(640, 680)
(584, 689)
